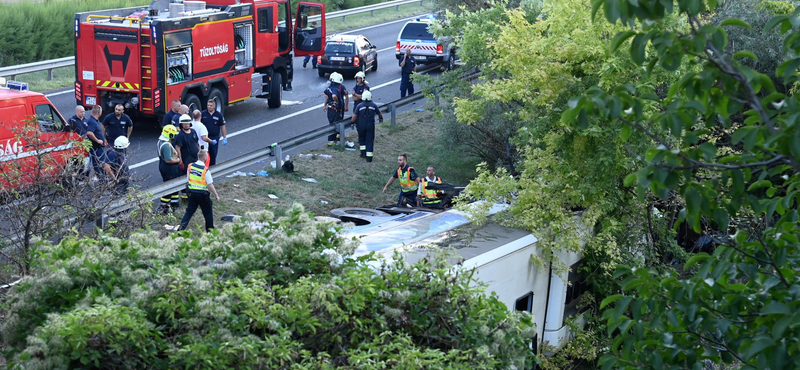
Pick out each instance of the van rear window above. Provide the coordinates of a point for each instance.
(416, 31)
(339, 47)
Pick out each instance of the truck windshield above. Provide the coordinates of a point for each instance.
(339, 47)
(416, 31)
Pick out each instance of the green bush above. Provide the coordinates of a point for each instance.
(277, 297)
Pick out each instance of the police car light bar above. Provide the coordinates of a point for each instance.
(16, 85)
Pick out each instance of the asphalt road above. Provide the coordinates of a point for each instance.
(252, 125)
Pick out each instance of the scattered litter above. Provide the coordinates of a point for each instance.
(235, 185)
(324, 201)
(291, 102)
(171, 228)
(237, 173)
(420, 110)
(350, 149)
(272, 164)
(350, 144)
(262, 173)
(259, 161)
(325, 156)
(251, 174)
(306, 155)
(237, 200)
(309, 179)
(272, 196)
(230, 217)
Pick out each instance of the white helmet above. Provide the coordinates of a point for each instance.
(337, 77)
(366, 96)
(361, 74)
(185, 118)
(121, 142)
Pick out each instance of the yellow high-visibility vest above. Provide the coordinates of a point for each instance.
(429, 196)
(406, 184)
(197, 177)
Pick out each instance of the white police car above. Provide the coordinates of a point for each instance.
(425, 48)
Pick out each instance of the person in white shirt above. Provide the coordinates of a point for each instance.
(203, 141)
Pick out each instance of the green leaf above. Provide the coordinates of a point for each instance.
(697, 258)
(774, 22)
(745, 54)
(776, 308)
(596, 5)
(620, 38)
(638, 47)
(759, 184)
(625, 133)
(610, 299)
(736, 23)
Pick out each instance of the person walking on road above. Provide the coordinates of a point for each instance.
(359, 88)
(94, 132)
(168, 161)
(198, 186)
(335, 103)
(408, 181)
(428, 197)
(364, 118)
(407, 67)
(117, 124)
(176, 105)
(215, 124)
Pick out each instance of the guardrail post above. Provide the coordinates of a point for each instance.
(371, 13)
(397, 8)
(393, 111)
(343, 18)
(340, 129)
(436, 96)
(50, 74)
(276, 151)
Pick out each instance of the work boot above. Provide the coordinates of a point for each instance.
(306, 63)
(314, 66)
(363, 154)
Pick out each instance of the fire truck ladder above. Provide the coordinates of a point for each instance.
(147, 104)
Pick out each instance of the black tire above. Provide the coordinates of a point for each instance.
(355, 211)
(193, 102)
(217, 96)
(320, 72)
(451, 63)
(275, 91)
(375, 64)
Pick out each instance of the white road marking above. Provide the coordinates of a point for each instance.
(60, 93)
(267, 123)
(379, 25)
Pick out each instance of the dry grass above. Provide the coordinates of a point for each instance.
(345, 180)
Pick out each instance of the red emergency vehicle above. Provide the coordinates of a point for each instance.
(34, 147)
(195, 51)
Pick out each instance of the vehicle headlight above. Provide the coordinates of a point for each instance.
(91, 101)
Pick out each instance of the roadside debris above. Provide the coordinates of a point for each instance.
(237, 200)
(309, 179)
(262, 173)
(237, 173)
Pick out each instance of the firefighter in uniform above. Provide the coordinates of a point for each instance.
(335, 102)
(428, 197)
(359, 88)
(408, 181)
(198, 186)
(364, 118)
(116, 165)
(168, 161)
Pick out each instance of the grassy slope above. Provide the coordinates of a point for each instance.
(345, 180)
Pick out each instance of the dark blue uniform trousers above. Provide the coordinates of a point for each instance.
(406, 85)
(202, 200)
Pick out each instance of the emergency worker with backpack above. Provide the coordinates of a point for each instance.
(364, 118)
(168, 162)
(336, 99)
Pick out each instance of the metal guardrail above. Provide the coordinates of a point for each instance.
(49, 65)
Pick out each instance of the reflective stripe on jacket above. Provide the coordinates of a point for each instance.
(406, 184)
(429, 196)
(197, 178)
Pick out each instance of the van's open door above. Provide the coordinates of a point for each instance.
(309, 33)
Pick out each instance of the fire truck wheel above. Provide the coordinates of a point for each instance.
(219, 98)
(193, 102)
(321, 72)
(275, 91)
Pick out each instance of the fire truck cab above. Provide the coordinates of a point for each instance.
(193, 51)
(34, 147)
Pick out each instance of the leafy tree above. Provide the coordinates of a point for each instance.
(738, 305)
(276, 293)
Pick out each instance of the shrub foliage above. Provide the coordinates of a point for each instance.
(277, 297)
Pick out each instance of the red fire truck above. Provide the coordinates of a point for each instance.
(195, 51)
